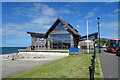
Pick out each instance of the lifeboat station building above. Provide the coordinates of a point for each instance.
(61, 35)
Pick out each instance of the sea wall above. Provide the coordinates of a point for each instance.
(43, 55)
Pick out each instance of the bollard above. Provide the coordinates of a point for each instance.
(94, 51)
(92, 60)
(93, 56)
(93, 63)
(92, 66)
(91, 72)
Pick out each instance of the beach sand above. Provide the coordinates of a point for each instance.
(11, 67)
(0, 67)
(34, 56)
(25, 61)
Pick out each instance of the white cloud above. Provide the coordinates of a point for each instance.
(116, 10)
(92, 12)
(44, 9)
(96, 9)
(19, 30)
(113, 34)
(109, 2)
(113, 25)
(43, 20)
(65, 11)
(78, 26)
(35, 10)
(42, 16)
(12, 30)
(114, 13)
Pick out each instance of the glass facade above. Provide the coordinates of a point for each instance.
(59, 41)
(61, 26)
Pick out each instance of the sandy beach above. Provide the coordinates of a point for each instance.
(11, 67)
(0, 66)
(13, 63)
(34, 55)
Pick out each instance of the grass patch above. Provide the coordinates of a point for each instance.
(86, 52)
(98, 69)
(74, 66)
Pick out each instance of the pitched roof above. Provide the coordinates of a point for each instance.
(74, 31)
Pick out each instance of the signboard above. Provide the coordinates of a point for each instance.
(40, 39)
(73, 50)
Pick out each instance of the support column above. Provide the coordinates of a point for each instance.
(71, 41)
(48, 42)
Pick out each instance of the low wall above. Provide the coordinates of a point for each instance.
(43, 55)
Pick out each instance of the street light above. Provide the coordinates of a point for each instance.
(99, 35)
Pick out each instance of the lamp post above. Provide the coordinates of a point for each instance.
(99, 35)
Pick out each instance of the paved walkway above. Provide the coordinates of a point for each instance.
(109, 63)
(11, 67)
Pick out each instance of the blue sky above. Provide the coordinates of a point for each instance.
(20, 17)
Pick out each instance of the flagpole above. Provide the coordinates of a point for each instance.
(87, 38)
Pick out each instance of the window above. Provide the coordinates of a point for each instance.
(34, 38)
(60, 41)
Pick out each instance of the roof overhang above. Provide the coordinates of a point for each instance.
(36, 34)
(93, 34)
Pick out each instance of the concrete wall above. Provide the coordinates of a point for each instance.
(43, 55)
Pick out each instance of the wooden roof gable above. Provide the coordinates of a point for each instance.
(74, 31)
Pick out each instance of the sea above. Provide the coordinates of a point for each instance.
(9, 50)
